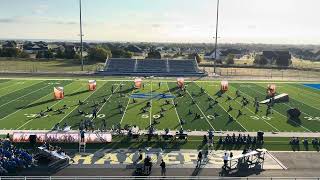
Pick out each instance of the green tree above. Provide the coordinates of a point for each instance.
(10, 52)
(197, 56)
(45, 54)
(99, 54)
(230, 59)
(69, 53)
(260, 60)
(120, 53)
(23, 55)
(154, 55)
(60, 54)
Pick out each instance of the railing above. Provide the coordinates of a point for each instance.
(150, 177)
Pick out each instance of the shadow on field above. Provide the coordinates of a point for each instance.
(37, 104)
(77, 93)
(294, 121)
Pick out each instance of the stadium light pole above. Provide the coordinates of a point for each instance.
(216, 38)
(81, 48)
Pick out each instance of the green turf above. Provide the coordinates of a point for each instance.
(21, 101)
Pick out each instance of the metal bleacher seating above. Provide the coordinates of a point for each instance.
(151, 67)
(120, 65)
(185, 66)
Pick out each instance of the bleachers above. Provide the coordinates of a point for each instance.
(151, 66)
(120, 65)
(186, 66)
(154, 67)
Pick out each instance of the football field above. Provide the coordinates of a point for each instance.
(22, 100)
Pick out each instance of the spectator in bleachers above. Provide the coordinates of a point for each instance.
(12, 159)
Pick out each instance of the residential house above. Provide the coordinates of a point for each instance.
(137, 51)
(221, 54)
(35, 47)
(9, 44)
(274, 55)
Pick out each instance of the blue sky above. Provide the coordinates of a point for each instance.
(241, 21)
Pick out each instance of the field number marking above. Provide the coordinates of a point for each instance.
(145, 116)
(309, 118)
(261, 118)
(35, 115)
(98, 116)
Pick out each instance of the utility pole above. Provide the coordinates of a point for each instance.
(216, 40)
(81, 48)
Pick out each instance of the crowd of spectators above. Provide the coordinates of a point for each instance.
(13, 159)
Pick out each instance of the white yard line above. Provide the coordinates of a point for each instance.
(78, 105)
(174, 106)
(201, 111)
(16, 83)
(224, 109)
(302, 101)
(108, 99)
(278, 112)
(18, 89)
(25, 95)
(126, 107)
(49, 107)
(22, 108)
(254, 114)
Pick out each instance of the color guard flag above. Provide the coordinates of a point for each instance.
(92, 85)
(224, 86)
(58, 93)
(137, 83)
(180, 82)
(271, 89)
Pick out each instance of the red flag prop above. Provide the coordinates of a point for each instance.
(58, 92)
(137, 83)
(92, 85)
(224, 86)
(180, 82)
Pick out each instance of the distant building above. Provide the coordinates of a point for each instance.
(221, 54)
(211, 55)
(137, 51)
(35, 47)
(274, 55)
(9, 44)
